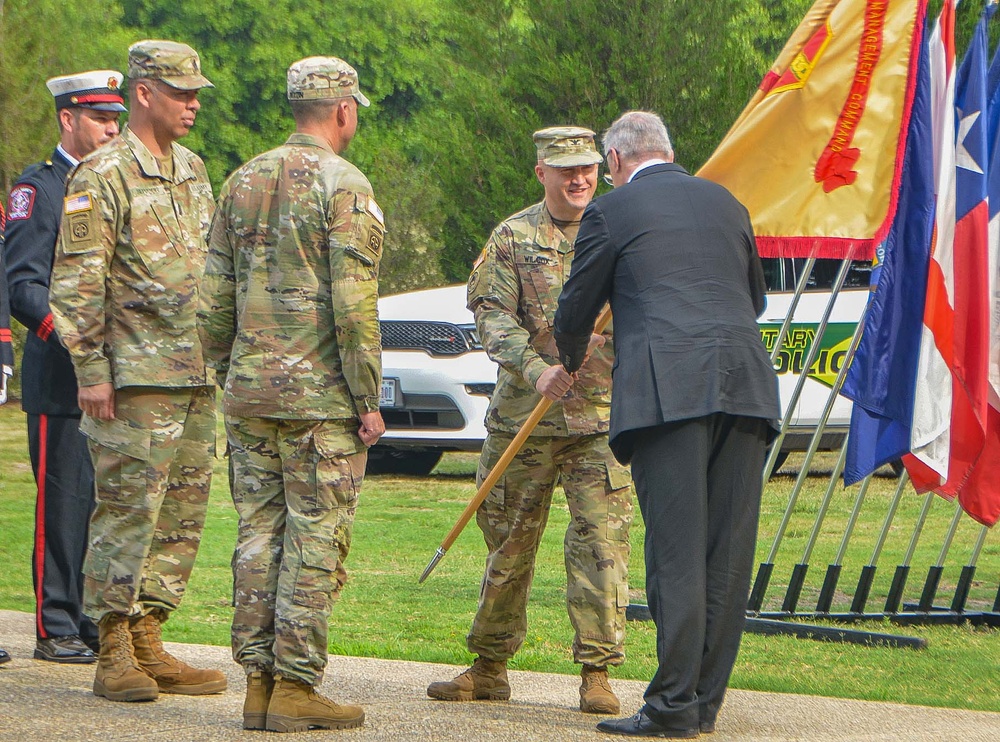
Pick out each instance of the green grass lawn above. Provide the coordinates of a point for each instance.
(384, 612)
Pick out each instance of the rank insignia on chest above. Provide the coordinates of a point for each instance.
(78, 202)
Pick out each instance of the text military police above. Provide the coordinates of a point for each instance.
(87, 108)
(513, 291)
(289, 320)
(128, 263)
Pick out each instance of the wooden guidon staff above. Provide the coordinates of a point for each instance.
(501, 466)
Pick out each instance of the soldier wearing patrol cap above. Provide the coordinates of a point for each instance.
(289, 321)
(87, 108)
(513, 291)
(124, 292)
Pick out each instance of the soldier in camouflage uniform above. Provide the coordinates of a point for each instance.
(289, 321)
(124, 289)
(513, 290)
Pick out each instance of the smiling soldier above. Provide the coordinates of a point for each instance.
(513, 291)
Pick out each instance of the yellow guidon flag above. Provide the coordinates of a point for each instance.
(816, 155)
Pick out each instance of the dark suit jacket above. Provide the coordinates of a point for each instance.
(677, 259)
(48, 382)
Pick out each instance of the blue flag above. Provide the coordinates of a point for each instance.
(882, 376)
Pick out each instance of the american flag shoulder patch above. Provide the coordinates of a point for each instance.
(77, 202)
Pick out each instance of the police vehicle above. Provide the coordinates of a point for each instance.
(437, 379)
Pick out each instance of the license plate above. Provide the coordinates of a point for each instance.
(388, 396)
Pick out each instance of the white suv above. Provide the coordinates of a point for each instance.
(438, 380)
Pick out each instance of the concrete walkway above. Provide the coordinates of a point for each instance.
(53, 703)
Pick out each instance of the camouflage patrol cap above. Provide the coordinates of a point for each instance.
(316, 78)
(566, 146)
(174, 63)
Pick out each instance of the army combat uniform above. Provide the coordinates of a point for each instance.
(289, 319)
(514, 291)
(123, 295)
(59, 457)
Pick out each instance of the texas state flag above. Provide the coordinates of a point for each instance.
(980, 493)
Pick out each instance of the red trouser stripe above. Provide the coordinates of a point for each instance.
(43, 453)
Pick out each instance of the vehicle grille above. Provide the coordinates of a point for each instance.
(422, 412)
(436, 338)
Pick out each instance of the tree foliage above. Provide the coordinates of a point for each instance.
(457, 88)
(32, 33)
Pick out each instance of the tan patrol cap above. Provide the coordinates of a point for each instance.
(174, 63)
(317, 78)
(566, 146)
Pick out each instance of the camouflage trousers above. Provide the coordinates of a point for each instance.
(295, 484)
(153, 468)
(596, 546)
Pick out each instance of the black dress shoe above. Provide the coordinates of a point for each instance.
(4, 657)
(93, 643)
(66, 649)
(641, 725)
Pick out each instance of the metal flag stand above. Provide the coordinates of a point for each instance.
(786, 620)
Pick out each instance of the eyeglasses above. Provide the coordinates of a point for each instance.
(607, 162)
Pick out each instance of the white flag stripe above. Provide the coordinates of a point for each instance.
(930, 439)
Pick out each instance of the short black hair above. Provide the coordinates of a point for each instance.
(311, 111)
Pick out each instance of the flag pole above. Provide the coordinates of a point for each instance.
(500, 467)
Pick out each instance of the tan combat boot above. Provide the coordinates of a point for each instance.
(118, 675)
(596, 696)
(297, 707)
(170, 674)
(260, 686)
(486, 680)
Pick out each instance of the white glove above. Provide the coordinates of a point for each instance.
(5, 373)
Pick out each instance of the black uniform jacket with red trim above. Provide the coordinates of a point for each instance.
(6, 350)
(35, 207)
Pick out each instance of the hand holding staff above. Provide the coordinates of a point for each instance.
(501, 466)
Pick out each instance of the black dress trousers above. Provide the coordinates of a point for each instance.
(698, 483)
(65, 480)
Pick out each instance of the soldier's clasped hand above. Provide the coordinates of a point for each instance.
(554, 383)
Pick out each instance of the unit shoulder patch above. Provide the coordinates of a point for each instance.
(21, 202)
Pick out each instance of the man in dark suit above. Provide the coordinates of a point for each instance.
(694, 395)
(87, 109)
